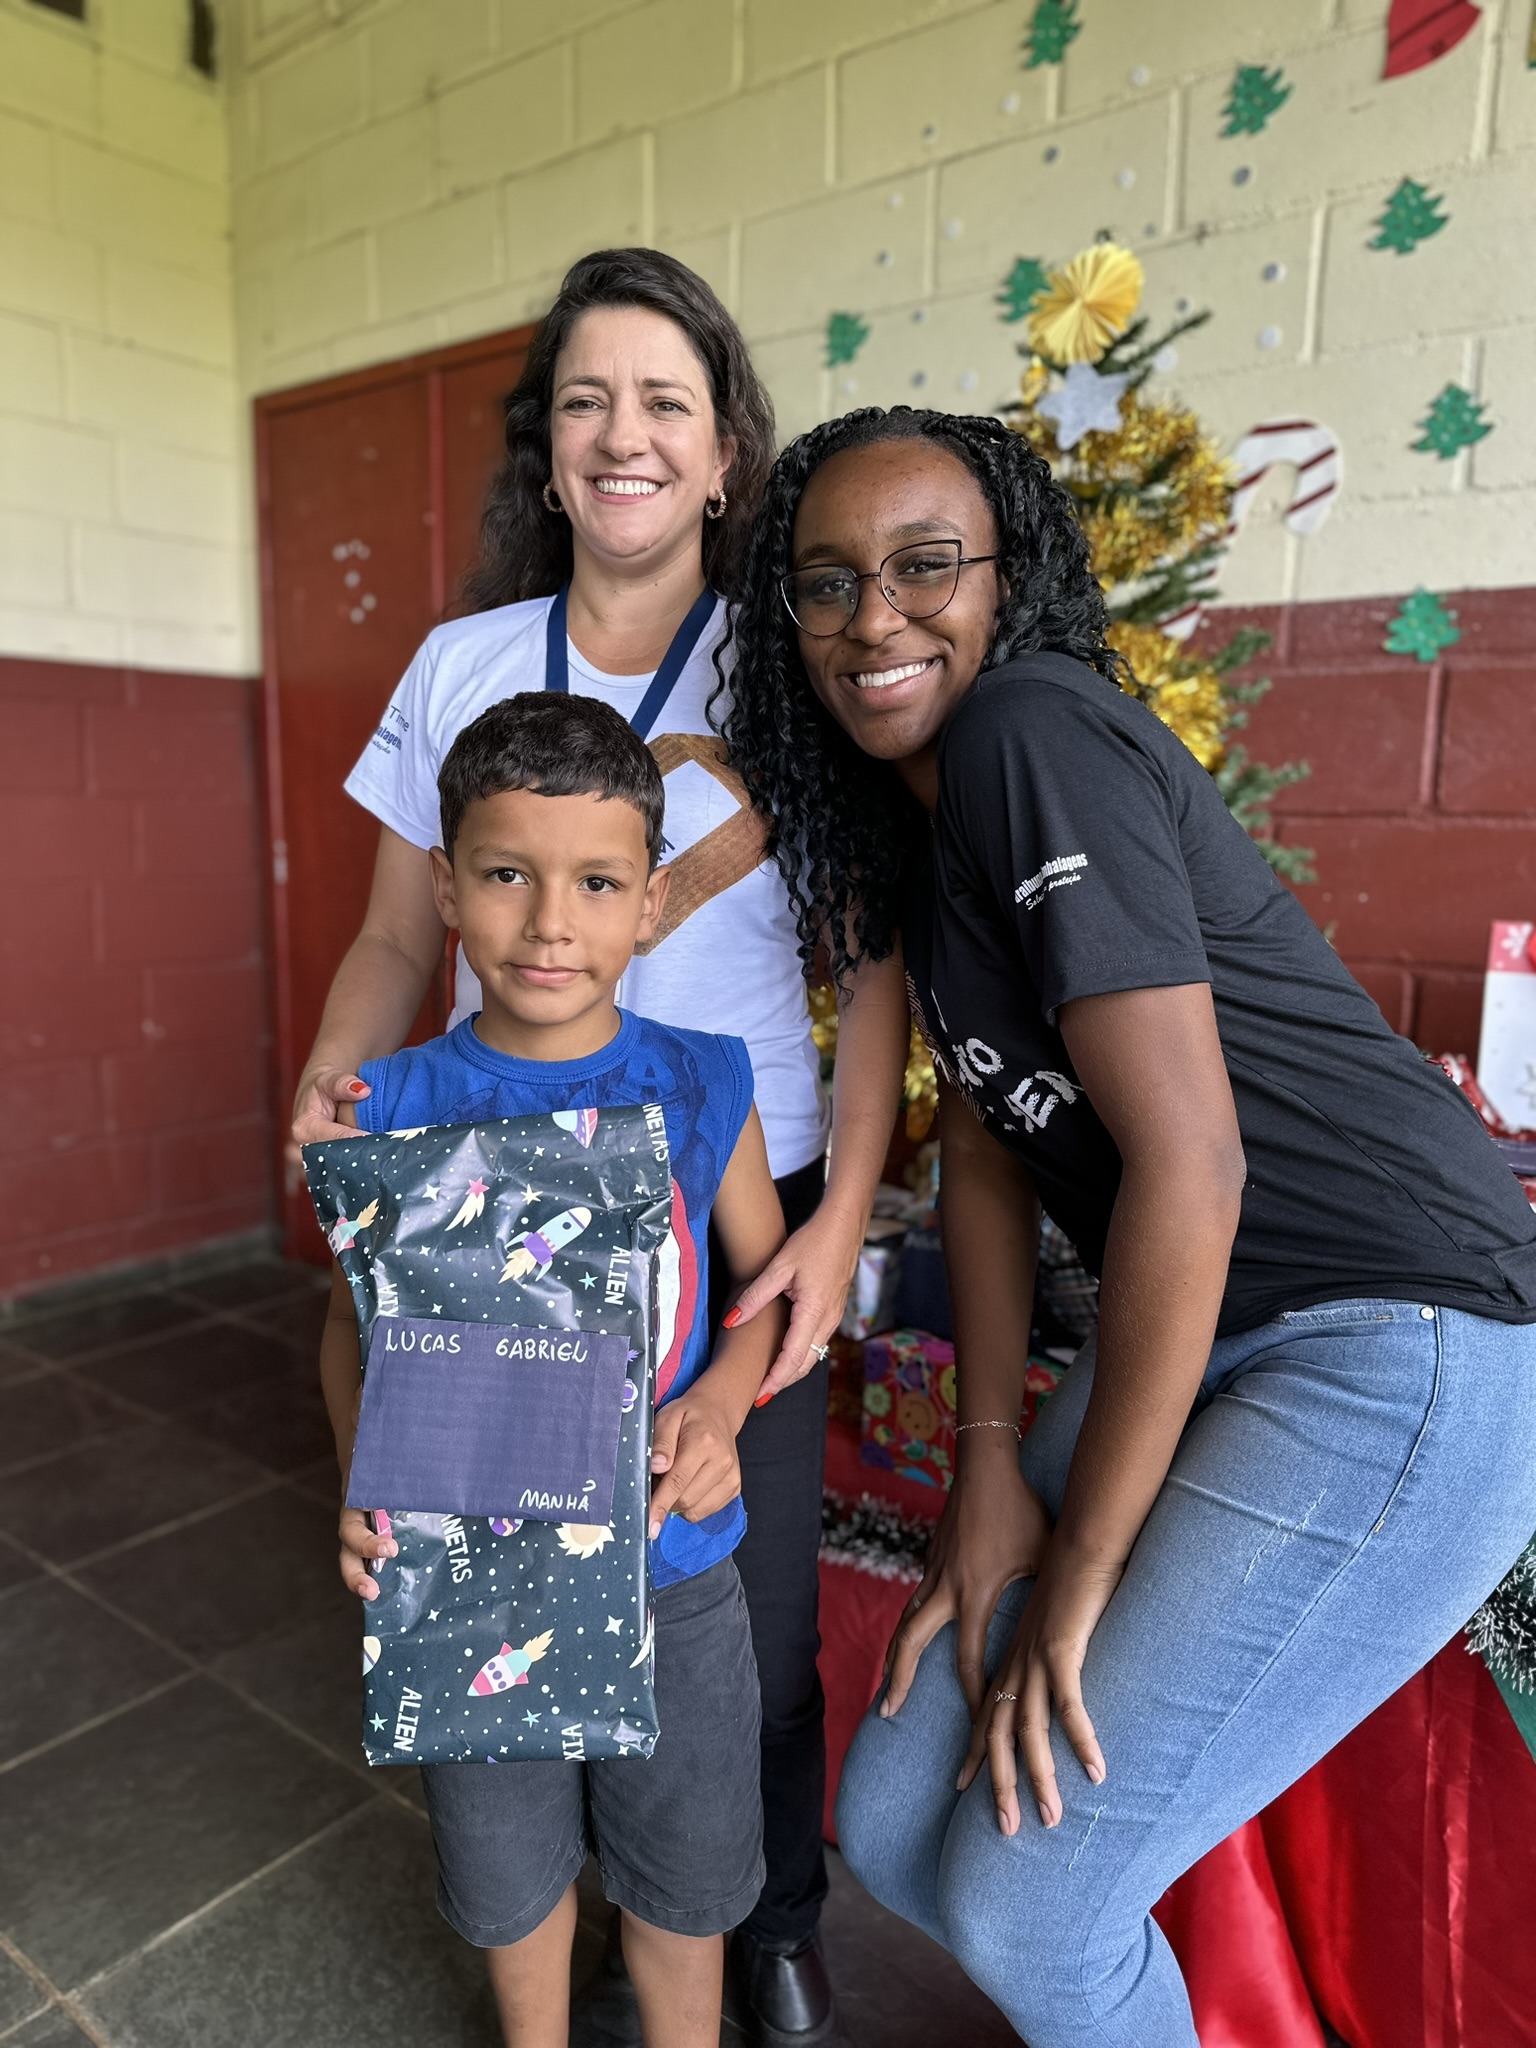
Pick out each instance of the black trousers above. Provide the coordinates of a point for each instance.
(782, 1449)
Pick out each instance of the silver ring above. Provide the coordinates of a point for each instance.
(819, 1351)
(999, 1697)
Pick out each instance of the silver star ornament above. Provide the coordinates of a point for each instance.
(1087, 401)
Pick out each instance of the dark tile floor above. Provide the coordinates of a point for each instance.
(194, 1854)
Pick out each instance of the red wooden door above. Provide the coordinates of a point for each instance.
(370, 492)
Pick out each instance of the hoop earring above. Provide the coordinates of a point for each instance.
(552, 497)
(714, 508)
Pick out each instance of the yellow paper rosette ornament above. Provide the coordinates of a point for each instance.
(1086, 305)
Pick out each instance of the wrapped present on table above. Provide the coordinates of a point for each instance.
(871, 1304)
(908, 1424)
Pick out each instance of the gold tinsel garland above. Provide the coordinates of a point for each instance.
(1086, 304)
(1186, 695)
(823, 1002)
(1153, 491)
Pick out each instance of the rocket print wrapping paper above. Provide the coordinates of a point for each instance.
(505, 1277)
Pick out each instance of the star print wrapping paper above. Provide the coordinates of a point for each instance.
(505, 1277)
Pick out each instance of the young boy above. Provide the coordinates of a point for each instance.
(551, 813)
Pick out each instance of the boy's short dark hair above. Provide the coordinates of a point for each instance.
(556, 745)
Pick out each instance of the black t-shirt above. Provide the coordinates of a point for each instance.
(1079, 848)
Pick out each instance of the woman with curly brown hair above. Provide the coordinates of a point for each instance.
(1302, 1447)
(638, 440)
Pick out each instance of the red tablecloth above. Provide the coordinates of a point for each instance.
(1395, 1885)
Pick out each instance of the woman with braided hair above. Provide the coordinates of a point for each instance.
(1302, 1447)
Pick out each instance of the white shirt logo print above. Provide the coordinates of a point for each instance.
(1031, 1101)
(1060, 873)
(975, 1060)
(1035, 1097)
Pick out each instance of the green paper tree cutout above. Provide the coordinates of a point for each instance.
(1421, 627)
(1454, 421)
(1256, 94)
(1052, 26)
(846, 335)
(1021, 287)
(1412, 215)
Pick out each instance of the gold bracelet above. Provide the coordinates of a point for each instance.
(959, 1426)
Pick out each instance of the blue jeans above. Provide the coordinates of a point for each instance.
(1353, 1481)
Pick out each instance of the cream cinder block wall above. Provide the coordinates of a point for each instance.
(371, 177)
(416, 171)
(125, 534)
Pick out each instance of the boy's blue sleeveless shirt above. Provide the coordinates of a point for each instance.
(704, 1086)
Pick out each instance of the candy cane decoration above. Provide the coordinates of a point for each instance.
(1312, 451)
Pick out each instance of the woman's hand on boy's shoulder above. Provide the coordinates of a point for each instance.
(324, 1107)
(360, 1547)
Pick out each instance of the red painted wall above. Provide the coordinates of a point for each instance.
(136, 1099)
(1421, 804)
(134, 1044)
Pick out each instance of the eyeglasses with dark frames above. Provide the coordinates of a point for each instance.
(917, 581)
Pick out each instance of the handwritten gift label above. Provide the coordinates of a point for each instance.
(483, 1419)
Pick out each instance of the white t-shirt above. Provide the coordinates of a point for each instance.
(726, 959)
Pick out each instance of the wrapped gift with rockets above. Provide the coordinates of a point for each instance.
(515, 1285)
(908, 1424)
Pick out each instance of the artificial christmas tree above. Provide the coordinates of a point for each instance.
(1154, 495)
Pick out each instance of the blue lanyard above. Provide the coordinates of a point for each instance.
(684, 640)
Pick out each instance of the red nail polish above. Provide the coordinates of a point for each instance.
(356, 1087)
(730, 1319)
(762, 1400)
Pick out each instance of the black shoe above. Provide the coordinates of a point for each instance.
(781, 1998)
(605, 2012)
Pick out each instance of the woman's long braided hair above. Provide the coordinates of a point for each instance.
(843, 825)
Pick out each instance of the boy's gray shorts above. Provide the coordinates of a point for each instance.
(678, 1834)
